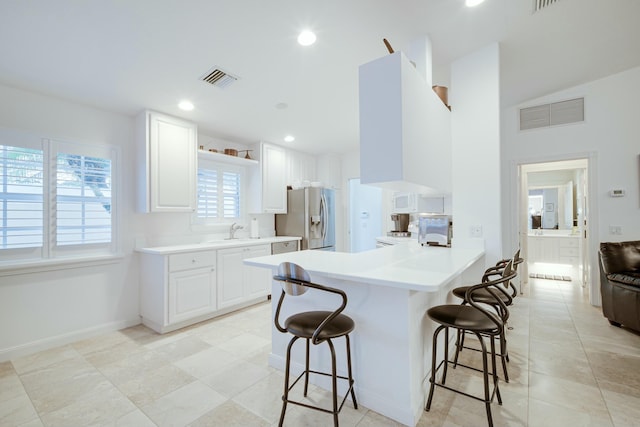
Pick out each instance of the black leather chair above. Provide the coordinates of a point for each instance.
(476, 318)
(316, 327)
(620, 283)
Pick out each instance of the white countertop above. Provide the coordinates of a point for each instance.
(394, 240)
(568, 235)
(404, 266)
(215, 244)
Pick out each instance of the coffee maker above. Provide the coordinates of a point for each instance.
(400, 225)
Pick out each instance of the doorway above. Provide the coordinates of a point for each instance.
(365, 215)
(554, 217)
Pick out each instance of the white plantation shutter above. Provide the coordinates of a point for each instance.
(207, 193)
(83, 200)
(21, 197)
(57, 198)
(220, 192)
(231, 194)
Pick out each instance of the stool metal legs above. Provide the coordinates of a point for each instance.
(334, 381)
(504, 353)
(488, 395)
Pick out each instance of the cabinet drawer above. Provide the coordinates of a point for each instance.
(569, 243)
(572, 252)
(189, 260)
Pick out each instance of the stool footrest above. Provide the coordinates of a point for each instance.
(328, 411)
(481, 399)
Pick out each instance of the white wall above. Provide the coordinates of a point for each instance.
(609, 134)
(40, 310)
(475, 103)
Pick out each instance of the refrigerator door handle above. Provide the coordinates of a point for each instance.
(324, 215)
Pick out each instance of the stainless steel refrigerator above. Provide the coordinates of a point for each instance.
(311, 216)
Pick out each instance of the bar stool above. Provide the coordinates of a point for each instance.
(315, 327)
(480, 321)
(506, 293)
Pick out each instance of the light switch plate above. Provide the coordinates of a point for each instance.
(615, 230)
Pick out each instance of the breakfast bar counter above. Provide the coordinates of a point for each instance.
(389, 291)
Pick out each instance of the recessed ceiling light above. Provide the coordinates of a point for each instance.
(472, 3)
(289, 138)
(185, 105)
(306, 38)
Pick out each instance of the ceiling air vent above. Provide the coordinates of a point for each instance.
(558, 113)
(219, 78)
(541, 4)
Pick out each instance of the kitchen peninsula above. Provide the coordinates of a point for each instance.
(389, 291)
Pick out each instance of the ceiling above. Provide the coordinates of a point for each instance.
(128, 55)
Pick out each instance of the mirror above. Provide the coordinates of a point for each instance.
(552, 201)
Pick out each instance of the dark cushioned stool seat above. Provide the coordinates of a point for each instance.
(305, 324)
(461, 316)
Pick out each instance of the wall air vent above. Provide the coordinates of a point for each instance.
(541, 4)
(218, 78)
(557, 113)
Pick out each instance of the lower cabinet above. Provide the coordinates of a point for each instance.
(554, 250)
(180, 289)
(237, 282)
(177, 289)
(191, 293)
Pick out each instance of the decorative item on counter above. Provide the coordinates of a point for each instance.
(247, 156)
(201, 147)
(231, 152)
(443, 94)
(254, 229)
(213, 150)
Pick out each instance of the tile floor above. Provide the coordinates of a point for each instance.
(568, 367)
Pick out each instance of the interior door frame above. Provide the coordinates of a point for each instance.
(518, 222)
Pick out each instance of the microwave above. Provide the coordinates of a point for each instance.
(404, 202)
(416, 203)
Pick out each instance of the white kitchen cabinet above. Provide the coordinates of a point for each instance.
(191, 293)
(177, 289)
(329, 171)
(257, 281)
(268, 185)
(300, 167)
(405, 129)
(167, 162)
(239, 283)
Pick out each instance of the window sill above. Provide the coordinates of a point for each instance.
(39, 266)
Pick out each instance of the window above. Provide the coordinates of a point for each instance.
(83, 200)
(220, 192)
(56, 198)
(22, 180)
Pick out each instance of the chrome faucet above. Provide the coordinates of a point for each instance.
(232, 230)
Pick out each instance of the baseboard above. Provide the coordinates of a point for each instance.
(63, 339)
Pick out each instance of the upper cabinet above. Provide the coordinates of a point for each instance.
(268, 182)
(405, 129)
(167, 160)
(301, 167)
